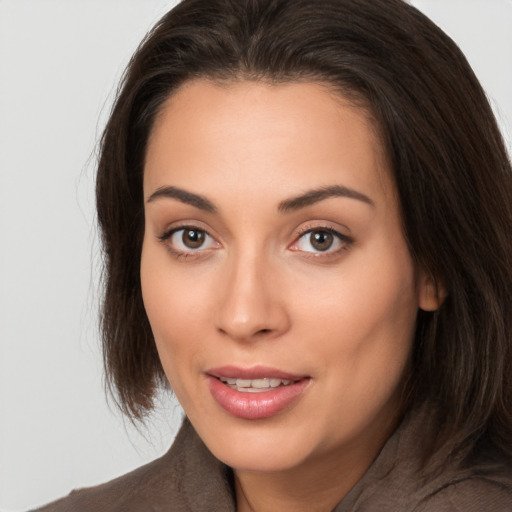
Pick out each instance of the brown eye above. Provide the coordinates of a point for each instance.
(193, 238)
(321, 240)
(189, 240)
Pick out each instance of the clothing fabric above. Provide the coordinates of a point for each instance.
(188, 478)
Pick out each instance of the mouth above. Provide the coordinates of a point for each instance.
(255, 393)
(255, 385)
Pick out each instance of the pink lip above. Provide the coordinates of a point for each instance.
(253, 406)
(256, 372)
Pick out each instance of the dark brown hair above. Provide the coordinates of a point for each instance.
(449, 162)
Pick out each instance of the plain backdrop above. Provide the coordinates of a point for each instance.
(60, 61)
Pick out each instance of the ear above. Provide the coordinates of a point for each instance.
(431, 293)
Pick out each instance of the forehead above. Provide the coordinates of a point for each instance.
(263, 137)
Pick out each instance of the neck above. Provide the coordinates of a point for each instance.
(292, 490)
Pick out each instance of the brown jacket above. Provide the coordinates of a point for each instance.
(188, 478)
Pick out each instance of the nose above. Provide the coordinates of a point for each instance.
(251, 306)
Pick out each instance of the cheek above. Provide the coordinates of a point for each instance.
(365, 317)
(361, 297)
(171, 300)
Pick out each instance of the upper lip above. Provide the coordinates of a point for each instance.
(255, 372)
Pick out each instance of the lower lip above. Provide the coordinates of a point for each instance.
(255, 406)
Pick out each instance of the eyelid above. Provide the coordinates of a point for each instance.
(171, 228)
(167, 235)
(344, 239)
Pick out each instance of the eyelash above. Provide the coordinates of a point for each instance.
(181, 254)
(344, 240)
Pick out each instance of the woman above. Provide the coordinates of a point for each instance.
(305, 210)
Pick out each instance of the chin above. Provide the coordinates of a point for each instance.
(257, 460)
(260, 446)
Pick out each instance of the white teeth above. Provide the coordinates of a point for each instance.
(254, 385)
(260, 383)
(253, 390)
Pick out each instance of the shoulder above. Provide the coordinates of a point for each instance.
(471, 494)
(139, 490)
(187, 478)
(399, 480)
(462, 482)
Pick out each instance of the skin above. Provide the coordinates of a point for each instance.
(258, 292)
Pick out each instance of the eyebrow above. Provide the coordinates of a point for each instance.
(295, 203)
(314, 196)
(195, 200)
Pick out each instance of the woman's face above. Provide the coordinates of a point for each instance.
(275, 275)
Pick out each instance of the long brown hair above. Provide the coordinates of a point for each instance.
(450, 167)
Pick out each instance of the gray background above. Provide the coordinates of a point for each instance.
(59, 64)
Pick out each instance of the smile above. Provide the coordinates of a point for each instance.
(254, 385)
(256, 393)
